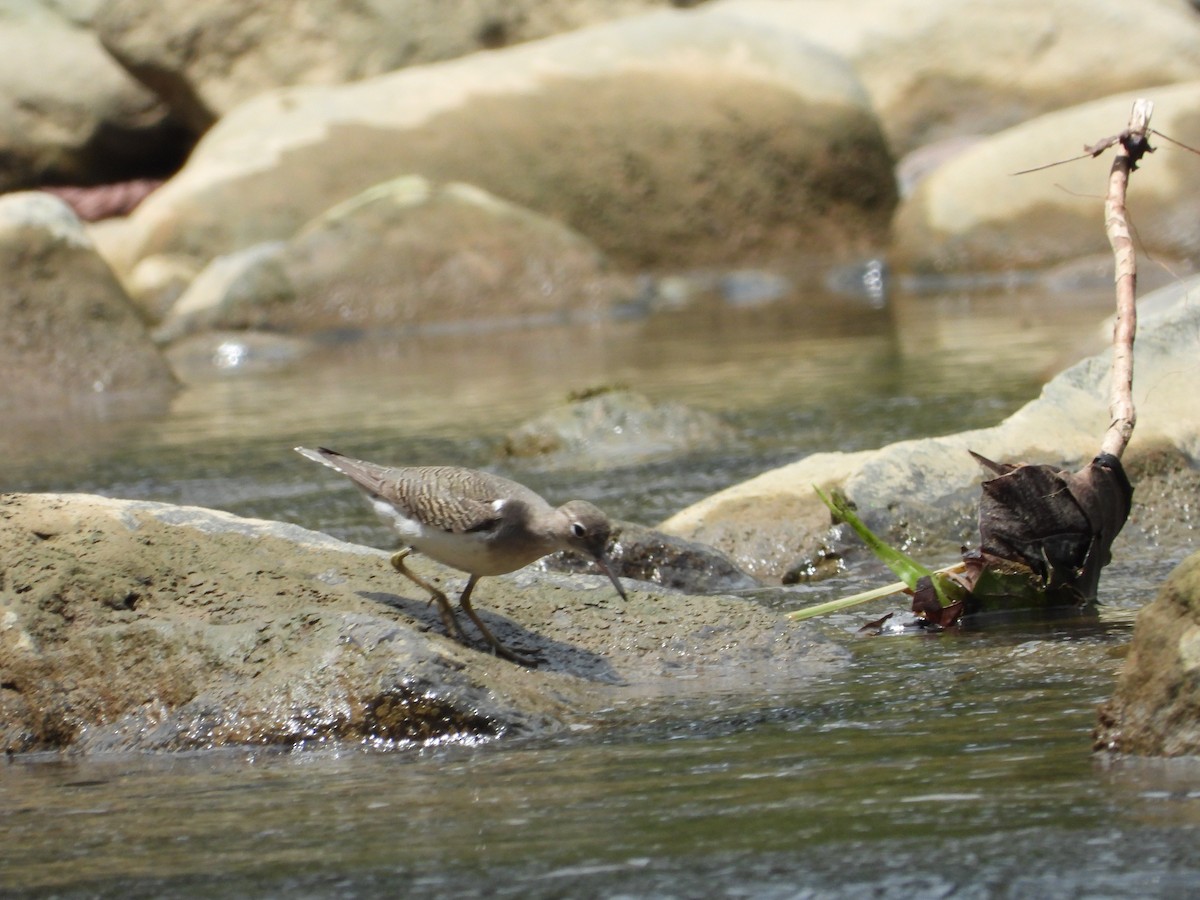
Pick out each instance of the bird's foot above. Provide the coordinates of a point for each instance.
(530, 662)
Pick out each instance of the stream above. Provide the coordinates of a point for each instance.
(948, 765)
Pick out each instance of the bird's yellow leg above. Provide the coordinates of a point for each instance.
(498, 648)
(449, 620)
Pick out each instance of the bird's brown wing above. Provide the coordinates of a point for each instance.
(426, 495)
(447, 497)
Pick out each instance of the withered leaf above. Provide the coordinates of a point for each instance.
(1059, 524)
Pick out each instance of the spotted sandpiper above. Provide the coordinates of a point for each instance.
(479, 523)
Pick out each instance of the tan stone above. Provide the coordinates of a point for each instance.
(406, 255)
(68, 112)
(974, 214)
(664, 139)
(205, 58)
(958, 67)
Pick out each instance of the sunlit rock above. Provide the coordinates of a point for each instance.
(956, 67)
(68, 111)
(205, 58)
(974, 213)
(665, 139)
(406, 254)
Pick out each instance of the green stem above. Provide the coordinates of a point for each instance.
(906, 568)
(831, 606)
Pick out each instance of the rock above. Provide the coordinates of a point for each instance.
(610, 130)
(68, 112)
(914, 166)
(406, 254)
(157, 282)
(615, 427)
(1166, 484)
(950, 68)
(972, 214)
(69, 328)
(644, 554)
(1156, 708)
(143, 626)
(924, 493)
(205, 58)
(235, 290)
(767, 523)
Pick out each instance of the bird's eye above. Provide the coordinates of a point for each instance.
(578, 530)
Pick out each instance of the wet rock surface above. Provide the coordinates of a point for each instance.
(131, 625)
(1156, 708)
(644, 554)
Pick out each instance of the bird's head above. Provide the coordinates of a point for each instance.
(588, 532)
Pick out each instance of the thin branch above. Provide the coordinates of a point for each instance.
(1172, 140)
(1132, 146)
(1061, 162)
(1089, 150)
(1094, 150)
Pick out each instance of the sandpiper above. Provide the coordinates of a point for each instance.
(479, 523)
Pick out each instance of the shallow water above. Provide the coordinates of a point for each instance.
(837, 375)
(953, 765)
(948, 766)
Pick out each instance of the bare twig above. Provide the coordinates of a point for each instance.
(1091, 150)
(1062, 162)
(1169, 139)
(1133, 145)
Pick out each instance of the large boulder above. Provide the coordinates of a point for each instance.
(973, 213)
(1156, 708)
(69, 328)
(68, 111)
(926, 491)
(135, 626)
(405, 255)
(205, 58)
(666, 139)
(955, 67)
